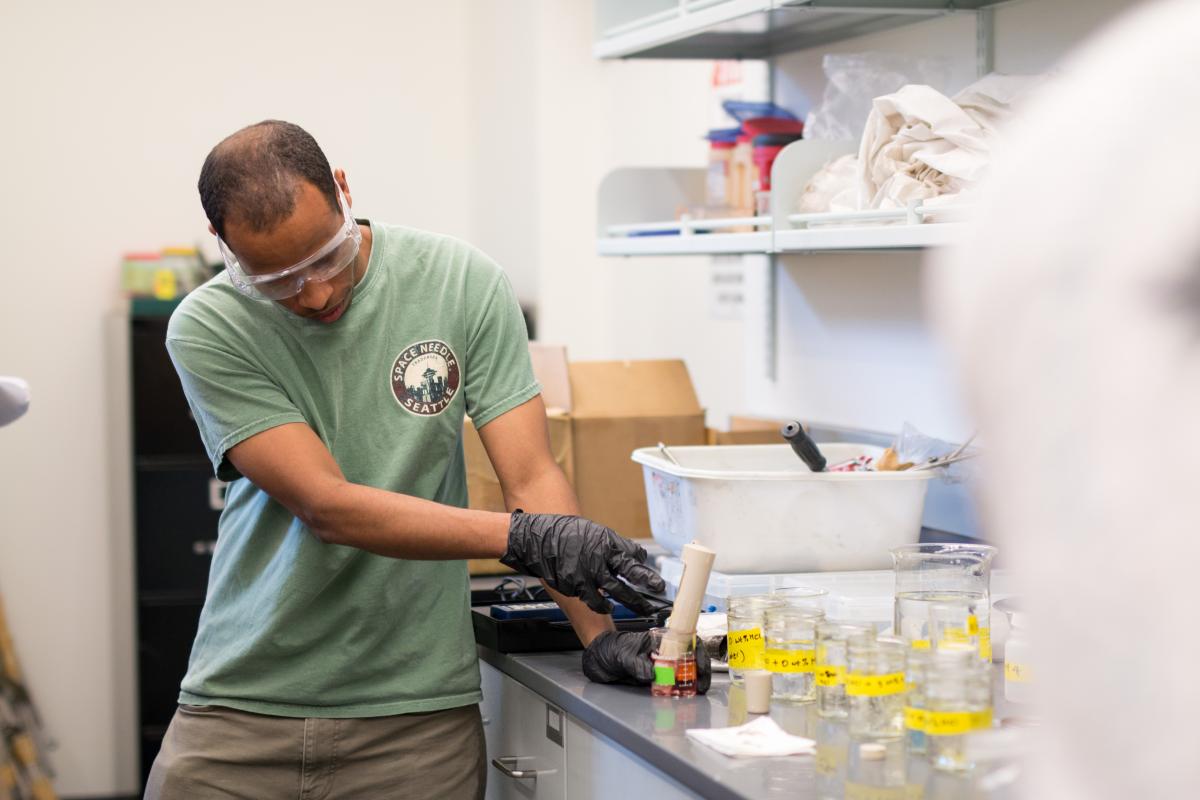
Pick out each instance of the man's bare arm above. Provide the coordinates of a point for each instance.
(518, 445)
(292, 465)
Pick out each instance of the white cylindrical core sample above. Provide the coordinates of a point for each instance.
(758, 690)
(697, 564)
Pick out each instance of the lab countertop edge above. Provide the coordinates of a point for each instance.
(629, 715)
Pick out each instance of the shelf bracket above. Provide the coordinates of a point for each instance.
(985, 41)
(771, 334)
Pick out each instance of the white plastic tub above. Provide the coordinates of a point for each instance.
(762, 510)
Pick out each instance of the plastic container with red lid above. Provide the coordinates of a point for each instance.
(766, 147)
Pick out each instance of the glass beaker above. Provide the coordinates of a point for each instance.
(791, 653)
(875, 687)
(674, 674)
(953, 575)
(808, 597)
(747, 641)
(830, 676)
(916, 707)
(949, 718)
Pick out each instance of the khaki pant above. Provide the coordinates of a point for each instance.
(214, 752)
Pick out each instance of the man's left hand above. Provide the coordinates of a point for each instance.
(624, 657)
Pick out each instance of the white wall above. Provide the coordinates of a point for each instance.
(108, 110)
(598, 116)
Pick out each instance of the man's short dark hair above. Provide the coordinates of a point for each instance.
(253, 175)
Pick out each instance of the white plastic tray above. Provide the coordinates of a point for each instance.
(762, 510)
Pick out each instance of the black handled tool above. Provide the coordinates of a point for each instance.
(804, 446)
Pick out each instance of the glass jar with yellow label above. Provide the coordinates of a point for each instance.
(916, 705)
(746, 642)
(875, 685)
(948, 718)
(791, 654)
(830, 675)
(1018, 654)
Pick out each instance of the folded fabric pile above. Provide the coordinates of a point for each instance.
(921, 145)
(918, 145)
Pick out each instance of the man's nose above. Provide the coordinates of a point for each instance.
(315, 294)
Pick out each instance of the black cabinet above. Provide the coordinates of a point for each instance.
(163, 427)
(177, 509)
(164, 645)
(177, 503)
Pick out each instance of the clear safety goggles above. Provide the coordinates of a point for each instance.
(327, 263)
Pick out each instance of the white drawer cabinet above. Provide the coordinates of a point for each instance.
(600, 769)
(525, 752)
(527, 734)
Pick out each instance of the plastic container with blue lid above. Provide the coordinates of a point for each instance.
(742, 110)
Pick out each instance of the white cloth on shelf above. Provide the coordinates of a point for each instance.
(921, 145)
(762, 738)
(833, 188)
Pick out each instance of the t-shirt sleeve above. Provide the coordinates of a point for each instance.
(499, 374)
(230, 399)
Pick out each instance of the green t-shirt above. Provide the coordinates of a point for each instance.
(293, 626)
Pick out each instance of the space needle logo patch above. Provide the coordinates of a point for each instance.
(425, 377)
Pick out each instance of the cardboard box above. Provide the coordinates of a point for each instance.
(598, 413)
(620, 406)
(748, 430)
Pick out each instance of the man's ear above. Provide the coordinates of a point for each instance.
(211, 229)
(339, 177)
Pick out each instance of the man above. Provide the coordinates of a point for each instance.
(329, 369)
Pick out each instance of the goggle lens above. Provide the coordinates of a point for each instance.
(328, 268)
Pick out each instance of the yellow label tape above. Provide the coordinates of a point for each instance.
(958, 636)
(859, 685)
(790, 661)
(862, 791)
(828, 675)
(914, 718)
(1015, 672)
(950, 723)
(746, 649)
(947, 723)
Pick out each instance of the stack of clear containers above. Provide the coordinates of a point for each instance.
(875, 686)
(832, 662)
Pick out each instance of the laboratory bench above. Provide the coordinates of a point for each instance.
(551, 733)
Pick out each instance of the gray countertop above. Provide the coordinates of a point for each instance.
(653, 728)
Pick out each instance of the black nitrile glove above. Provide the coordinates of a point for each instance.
(578, 557)
(624, 657)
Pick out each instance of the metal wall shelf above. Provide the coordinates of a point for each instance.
(655, 196)
(757, 29)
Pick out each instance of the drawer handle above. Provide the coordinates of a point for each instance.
(505, 765)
